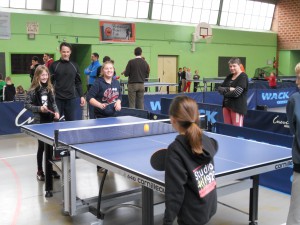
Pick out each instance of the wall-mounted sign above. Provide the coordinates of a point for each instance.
(5, 25)
(111, 31)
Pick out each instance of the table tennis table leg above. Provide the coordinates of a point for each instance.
(253, 207)
(48, 170)
(168, 89)
(147, 206)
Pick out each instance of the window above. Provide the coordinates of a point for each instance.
(186, 11)
(247, 14)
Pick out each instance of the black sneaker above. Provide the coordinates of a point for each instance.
(40, 176)
(55, 175)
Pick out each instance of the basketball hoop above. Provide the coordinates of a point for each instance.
(203, 31)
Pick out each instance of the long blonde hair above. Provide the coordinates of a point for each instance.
(185, 111)
(36, 81)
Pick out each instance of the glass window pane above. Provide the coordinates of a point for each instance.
(167, 12)
(246, 22)
(196, 15)
(249, 7)
(242, 6)
(143, 10)
(205, 16)
(4, 3)
(80, 6)
(19, 4)
(34, 4)
(188, 3)
(233, 6)
(186, 15)
(224, 18)
(198, 4)
(132, 8)
(261, 22)
(263, 9)
(94, 7)
(168, 2)
(178, 2)
(225, 7)
(120, 8)
(157, 1)
(271, 9)
(207, 4)
(239, 20)
(256, 8)
(231, 19)
(156, 11)
(254, 21)
(66, 5)
(215, 5)
(268, 24)
(177, 13)
(213, 19)
(108, 8)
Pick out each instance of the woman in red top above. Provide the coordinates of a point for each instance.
(272, 80)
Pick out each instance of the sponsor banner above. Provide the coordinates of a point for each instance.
(111, 31)
(14, 115)
(274, 98)
(268, 121)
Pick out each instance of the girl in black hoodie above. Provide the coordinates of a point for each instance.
(190, 185)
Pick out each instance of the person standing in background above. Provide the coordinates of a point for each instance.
(67, 83)
(196, 77)
(293, 116)
(137, 70)
(179, 79)
(47, 60)
(183, 79)
(188, 77)
(234, 89)
(272, 80)
(91, 70)
(20, 94)
(34, 65)
(9, 90)
(2, 84)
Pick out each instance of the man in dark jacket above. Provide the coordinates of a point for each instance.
(66, 79)
(137, 70)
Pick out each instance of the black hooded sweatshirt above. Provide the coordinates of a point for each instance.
(190, 185)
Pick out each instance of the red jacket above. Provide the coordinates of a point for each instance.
(272, 81)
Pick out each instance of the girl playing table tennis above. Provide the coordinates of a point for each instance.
(41, 102)
(105, 94)
(190, 185)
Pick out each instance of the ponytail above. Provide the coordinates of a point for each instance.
(194, 136)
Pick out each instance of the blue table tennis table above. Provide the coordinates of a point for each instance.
(238, 162)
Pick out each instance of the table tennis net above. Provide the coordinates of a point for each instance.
(111, 132)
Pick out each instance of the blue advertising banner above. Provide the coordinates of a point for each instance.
(269, 121)
(13, 116)
(274, 98)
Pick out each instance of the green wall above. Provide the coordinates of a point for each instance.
(288, 60)
(155, 40)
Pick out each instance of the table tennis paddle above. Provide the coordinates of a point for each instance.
(158, 159)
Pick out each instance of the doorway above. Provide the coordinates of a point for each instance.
(167, 70)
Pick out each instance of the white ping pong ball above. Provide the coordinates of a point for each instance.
(146, 128)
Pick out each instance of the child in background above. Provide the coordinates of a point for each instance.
(190, 185)
(9, 90)
(20, 94)
(196, 77)
(2, 84)
(40, 100)
(272, 80)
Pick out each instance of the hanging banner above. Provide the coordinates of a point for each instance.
(5, 32)
(111, 31)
